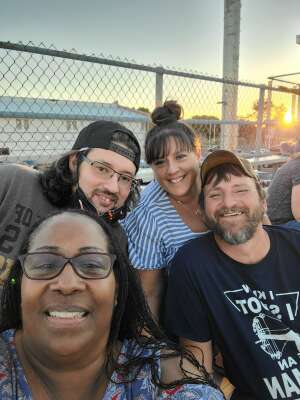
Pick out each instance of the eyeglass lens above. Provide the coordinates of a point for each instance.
(49, 265)
(107, 172)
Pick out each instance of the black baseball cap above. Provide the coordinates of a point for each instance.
(99, 134)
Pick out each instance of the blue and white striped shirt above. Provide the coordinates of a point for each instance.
(155, 230)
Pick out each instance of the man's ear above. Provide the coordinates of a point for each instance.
(73, 162)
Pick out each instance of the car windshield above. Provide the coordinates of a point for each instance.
(143, 164)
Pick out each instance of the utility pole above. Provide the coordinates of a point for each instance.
(231, 50)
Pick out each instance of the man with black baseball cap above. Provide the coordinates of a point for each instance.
(98, 174)
(238, 286)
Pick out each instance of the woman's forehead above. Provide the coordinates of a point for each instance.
(174, 144)
(65, 228)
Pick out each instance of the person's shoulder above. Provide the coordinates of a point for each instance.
(294, 160)
(289, 166)
(171, 371)
(191, 391)
(194, 254)
(132, 348)
(284, 234)
(149, 204)
(11, 170)
(198, 243)
(6, 338)
(8, 365)
(281, 230)
(151, 194)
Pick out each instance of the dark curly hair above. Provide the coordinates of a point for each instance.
(167, 125)
(58, 181)
(131, 317)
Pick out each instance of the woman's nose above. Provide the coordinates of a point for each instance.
(172, 167)
(68, 281)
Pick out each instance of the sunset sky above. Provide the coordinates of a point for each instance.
(180, 34)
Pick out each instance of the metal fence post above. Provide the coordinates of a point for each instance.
(268, 111)
(159, 76)
(298, 103)
(41, 112)
(260, 117)
(293, 107)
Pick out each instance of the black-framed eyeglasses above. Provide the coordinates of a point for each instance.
(48, 265)
(105, 172)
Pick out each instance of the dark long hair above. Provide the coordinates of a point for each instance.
(167, 125)
(58, 182)
(131, 317)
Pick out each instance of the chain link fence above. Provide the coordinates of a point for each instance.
(47, 96)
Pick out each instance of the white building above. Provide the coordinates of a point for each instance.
(39, 130)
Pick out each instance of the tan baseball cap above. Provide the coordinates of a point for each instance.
(219, 157)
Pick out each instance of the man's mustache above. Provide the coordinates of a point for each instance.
(235, 210)
(107, 193)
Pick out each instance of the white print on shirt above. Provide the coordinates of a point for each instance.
(273, 335)
(268, 311)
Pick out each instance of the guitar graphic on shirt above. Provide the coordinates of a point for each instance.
(273, 336)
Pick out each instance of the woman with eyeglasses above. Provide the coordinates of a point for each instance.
(73, 313)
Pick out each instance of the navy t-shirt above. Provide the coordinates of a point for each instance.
(250, 311)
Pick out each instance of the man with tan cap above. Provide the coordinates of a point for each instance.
(238, 286)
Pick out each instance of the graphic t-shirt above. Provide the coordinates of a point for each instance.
(22, 204)
(14, 386)
(250, 311)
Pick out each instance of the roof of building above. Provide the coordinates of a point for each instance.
(25, 107)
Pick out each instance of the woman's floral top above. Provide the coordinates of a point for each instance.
(13, 383)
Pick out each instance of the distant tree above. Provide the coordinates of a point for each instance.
(144, 109)
(209, 132)
(204, 117)
(276, 112)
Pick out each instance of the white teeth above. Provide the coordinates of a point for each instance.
(176, 180)
(66, 314)
(232, 214)
(105, 198)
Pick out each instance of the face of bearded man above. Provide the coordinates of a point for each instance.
(233, 209)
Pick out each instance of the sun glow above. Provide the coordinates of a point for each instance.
(288, 118)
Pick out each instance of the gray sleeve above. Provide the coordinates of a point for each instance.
(5, 174)
(295, 175)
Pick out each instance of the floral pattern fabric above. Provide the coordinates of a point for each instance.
(13, 384)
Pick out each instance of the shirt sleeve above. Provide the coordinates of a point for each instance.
(5, 177)
(295, 175)
(191, 392)
(186, 312)
(145, 240)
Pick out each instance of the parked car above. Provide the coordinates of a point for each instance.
(145, 173)
(264, 177)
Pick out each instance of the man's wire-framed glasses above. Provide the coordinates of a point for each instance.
(48, 265)
(105, 172)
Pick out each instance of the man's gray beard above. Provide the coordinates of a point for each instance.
(244, 234)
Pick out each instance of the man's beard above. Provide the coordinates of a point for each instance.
(246, 232)
(80, 200)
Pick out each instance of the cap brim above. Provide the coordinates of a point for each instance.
(219, 157)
